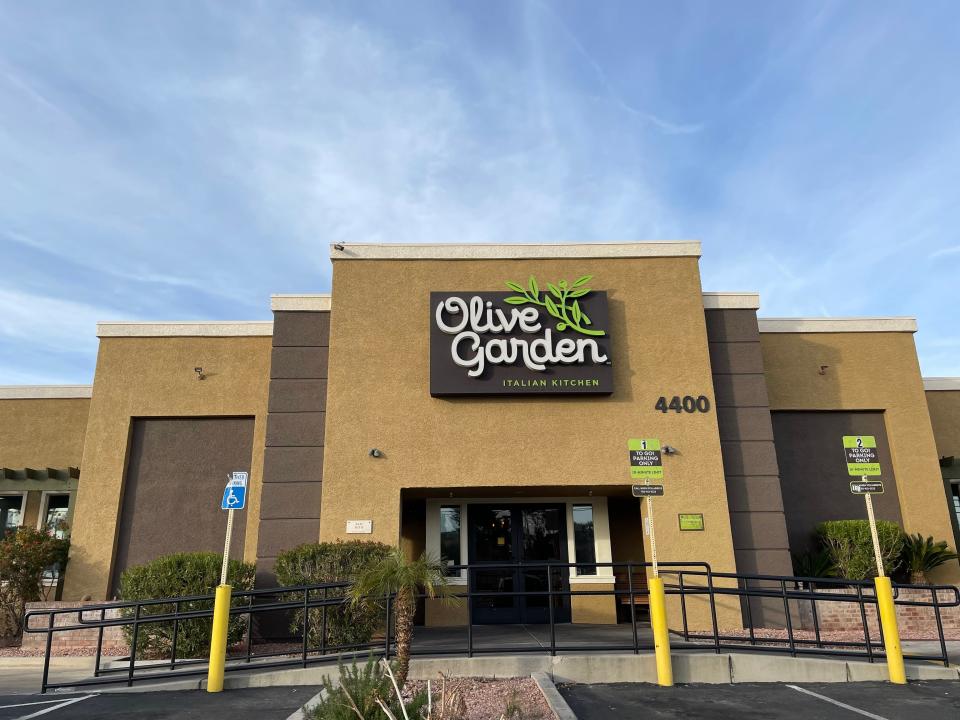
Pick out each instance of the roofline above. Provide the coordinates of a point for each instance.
(941, 383)
(316, 302)
(45, 392)
(731, 301)
(838, 325)
(204, 328)
(507, 251)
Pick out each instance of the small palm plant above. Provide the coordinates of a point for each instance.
(403, 578)
(921, 554)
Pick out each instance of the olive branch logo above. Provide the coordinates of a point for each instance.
(569, 316)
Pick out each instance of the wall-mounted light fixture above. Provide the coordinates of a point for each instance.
(199, 372)
(375, 452)
(670, 450)
(823, 369)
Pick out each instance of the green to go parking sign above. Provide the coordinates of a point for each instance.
(645, 462)
(861, 453)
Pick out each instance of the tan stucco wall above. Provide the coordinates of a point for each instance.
(944, 406)
(868, 371)
(593, 609)
(154, 377)
(379, 381)
(41, 433)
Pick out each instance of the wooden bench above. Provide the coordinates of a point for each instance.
(622, 584)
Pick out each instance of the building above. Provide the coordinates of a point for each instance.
(476, 401)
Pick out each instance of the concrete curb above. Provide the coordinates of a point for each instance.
(553, 697)
(706, 667)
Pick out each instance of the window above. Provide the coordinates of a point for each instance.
(55, 515)
(583, 540)
(450, 537)
(11, 512)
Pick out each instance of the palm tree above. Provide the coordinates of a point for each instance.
(403, 578)
(921, 554)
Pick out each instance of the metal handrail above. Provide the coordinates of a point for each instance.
(688, 580)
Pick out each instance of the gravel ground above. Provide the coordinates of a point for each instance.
(492, 699)
(108, 651)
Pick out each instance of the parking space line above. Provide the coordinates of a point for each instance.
(837, 703)
(36, 702)
(38, 713)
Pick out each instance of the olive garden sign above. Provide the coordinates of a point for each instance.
(532, 340)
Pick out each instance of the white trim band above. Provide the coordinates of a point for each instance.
(731, 301)
(252, 328)
(941, 383)
(45, 392)
(837, 325)
(319, 302)
(441, 251)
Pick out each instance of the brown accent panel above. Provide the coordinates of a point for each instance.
(296, 425)
(740, 390)
(757, 520)
(174, 483)
(291, 500)
(765, 562)
(303, 429)
(299, 362)
(301, 329)
(297, 395)
(813, 471)
(749, 457)
(734, 357)
(743, 423)
(292, 464)
(754, 494)
(753, 530)
(732, 326)
(277, 535)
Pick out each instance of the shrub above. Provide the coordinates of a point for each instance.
(24, 555)
(814, 564)
(179, 575)
(315, 563)
(357, 693)
(921, 554)
(851, 547)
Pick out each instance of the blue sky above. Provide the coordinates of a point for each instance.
(183, 160)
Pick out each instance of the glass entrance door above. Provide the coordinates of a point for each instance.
(517, 534)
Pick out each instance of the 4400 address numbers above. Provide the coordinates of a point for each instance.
(687, 403)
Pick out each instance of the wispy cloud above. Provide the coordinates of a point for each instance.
(945, 251)
(167, 163)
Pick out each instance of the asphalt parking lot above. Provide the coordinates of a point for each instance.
(261, 703)
(755, 701)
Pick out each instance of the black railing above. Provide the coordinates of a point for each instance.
(694, 593)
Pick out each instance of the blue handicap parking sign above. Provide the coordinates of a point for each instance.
(234, 497)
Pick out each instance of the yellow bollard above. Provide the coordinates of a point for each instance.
(661, 635)
(218, 639)
(891, 635)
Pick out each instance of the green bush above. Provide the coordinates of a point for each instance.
(179, 575)
(851, 547)
(314, 563)
(357, 693)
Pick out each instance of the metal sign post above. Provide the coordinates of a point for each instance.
(863, 462)
(234, 498)
(646, 464)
